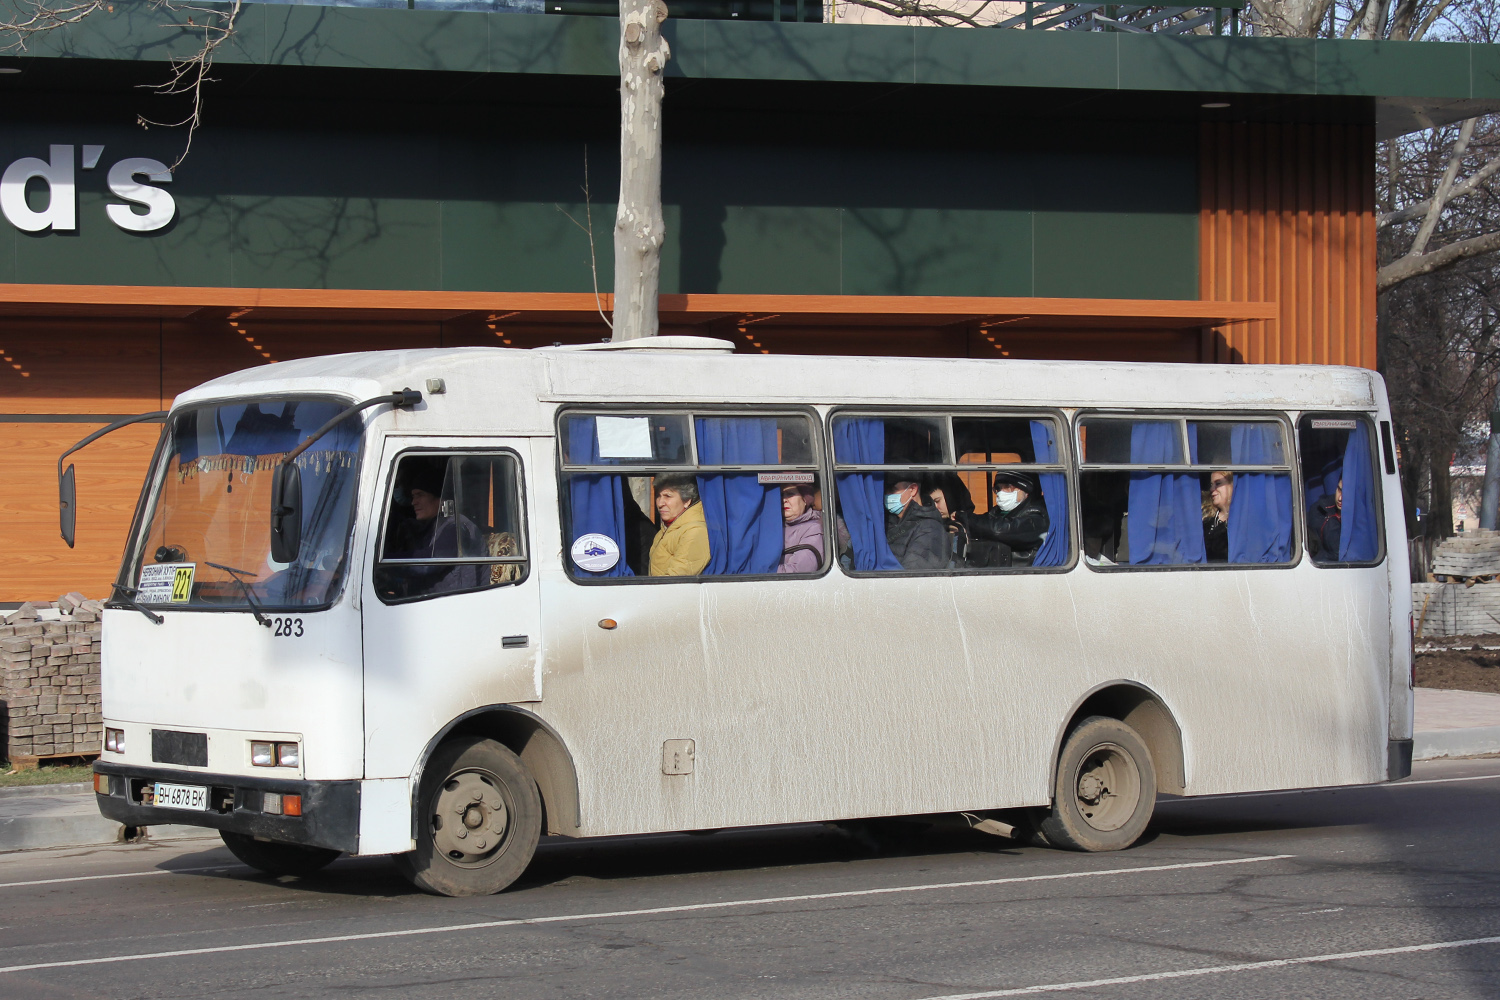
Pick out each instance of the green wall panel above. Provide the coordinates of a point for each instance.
(471, 42)
(520, 247)
(780, 250)
(893, 251)
(336, 242)
(1124, 255)
(193, 250)
(1111, 212)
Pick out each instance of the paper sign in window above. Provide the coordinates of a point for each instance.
(623, 437)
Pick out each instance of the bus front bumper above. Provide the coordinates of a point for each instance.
(237, 803)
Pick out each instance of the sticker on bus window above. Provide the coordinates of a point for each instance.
(1334, 425)
(595, 553)
(783, 477)
(166, 583)
(623, 437)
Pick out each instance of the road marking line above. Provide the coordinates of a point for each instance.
(1277, 963)
(647, 912)
(91, 878)
(1444, 781)
(1228, 796)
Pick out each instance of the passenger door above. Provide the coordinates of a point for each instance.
(450, 598)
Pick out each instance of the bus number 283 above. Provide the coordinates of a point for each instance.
(289, 627)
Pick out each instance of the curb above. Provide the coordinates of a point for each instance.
(1471, 742)
(66, 816)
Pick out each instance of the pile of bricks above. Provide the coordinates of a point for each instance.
(1454, 609)
(49, 681)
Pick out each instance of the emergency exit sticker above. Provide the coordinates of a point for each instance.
(166, 583)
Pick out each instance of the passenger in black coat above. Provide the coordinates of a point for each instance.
(1001, 537)
(914, 532)
(1325, 525)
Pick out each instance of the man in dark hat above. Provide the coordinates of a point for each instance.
(1011, 531)
(423, 528)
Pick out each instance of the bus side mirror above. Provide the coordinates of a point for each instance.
(286, 513)
(67, 505)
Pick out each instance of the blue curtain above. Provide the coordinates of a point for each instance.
(862, 494)
(1166, 508)
(598, 504)
(1358, 541)
(1054, 548)
(745, 528)
(1260, 512)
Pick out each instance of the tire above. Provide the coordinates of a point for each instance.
(1105, 789)
(277, 859)
(479, 817)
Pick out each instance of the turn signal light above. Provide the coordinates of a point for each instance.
(277, 804)
(114, 740)
(101, 783)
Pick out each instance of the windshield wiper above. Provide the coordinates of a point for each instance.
(126, 596)
(234, 574)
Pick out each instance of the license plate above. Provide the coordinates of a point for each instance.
(182, 796)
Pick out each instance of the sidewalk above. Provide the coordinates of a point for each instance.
(1455, 724)
(36, 816)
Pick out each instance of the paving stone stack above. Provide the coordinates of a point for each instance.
(1453, 609)
(49, 689)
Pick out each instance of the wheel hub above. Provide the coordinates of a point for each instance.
(1107, 786)
(470, 818)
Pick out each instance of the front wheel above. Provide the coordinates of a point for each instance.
(479, 818)
(1105, 789)
(277, 859)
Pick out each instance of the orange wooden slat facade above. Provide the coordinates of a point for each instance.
(1288, 216)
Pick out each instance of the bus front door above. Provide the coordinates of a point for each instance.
(461, 632)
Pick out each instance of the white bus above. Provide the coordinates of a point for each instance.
(438, 603)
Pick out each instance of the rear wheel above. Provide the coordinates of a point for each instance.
(277, 859)
(1105, 789)
(479, 818)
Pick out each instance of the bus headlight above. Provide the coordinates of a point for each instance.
(114, 740)
(262, 754)
(268, 754)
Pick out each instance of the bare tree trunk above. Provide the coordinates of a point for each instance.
(1489, 500)
(639, 226)
(1440, 518)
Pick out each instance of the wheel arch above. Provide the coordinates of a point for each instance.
(1143, 710)
(539, 747)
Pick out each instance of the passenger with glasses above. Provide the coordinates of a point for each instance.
(1216, 515)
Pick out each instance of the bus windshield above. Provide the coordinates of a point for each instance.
(207, 540)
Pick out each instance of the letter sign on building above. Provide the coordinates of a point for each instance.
(61, 213)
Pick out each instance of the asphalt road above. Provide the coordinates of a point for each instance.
(1388, 891)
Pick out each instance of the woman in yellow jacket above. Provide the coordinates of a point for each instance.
(681, 546)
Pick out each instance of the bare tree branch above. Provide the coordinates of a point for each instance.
(189, 75)
(1408, 267)
(37, 18)
(1466, 186)
(1439, 199)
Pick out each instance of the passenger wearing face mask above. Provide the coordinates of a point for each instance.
(1011, 531)
(914, 532)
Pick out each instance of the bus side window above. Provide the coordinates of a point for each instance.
(930, 493)
(1341, 489)
(690, 495)
(453, 524)
(1171, 491)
